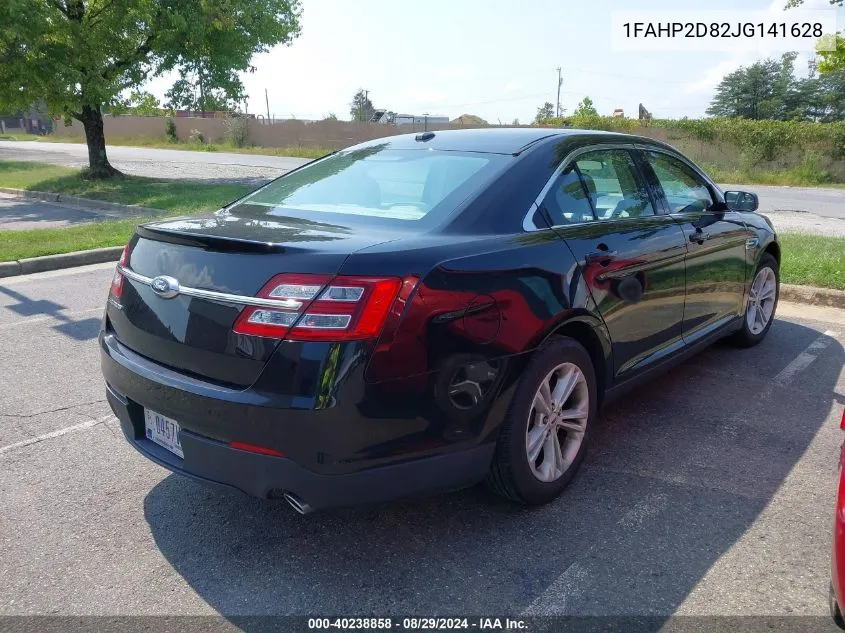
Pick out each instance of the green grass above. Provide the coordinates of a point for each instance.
(19, 137)
(170, 195)
(296, 151)
(173, 196)
(36, 242)
(812, 260)
(791, 178)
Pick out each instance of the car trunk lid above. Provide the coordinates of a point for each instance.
(223, 257)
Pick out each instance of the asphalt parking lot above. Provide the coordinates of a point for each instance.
(708, 492)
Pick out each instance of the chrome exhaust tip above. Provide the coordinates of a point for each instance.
(298, 504)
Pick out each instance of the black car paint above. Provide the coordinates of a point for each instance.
(489, 294)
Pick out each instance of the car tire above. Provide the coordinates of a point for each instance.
(835, 611)
(569, 398)
(760, 311)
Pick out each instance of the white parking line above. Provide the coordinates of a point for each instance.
(57, 317)
(556, 598)
(804, 359)
(52, 434)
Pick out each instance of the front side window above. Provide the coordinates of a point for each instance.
(377, 182)
(683, 188)
(613, 185)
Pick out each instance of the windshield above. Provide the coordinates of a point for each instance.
(394, 184)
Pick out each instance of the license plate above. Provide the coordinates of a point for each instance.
(163, 431)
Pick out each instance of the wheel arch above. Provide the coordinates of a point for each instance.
(591, 333)
(773, 248)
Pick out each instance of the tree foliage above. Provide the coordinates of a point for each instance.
(79, 56)
(202, 89)
(586, 108)
(544, 113)
(139, 103)
(361, 108)
(831, 60)
(769, 89)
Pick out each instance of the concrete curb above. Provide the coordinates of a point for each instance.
(56, 262)
(96, 207)
(813, 296)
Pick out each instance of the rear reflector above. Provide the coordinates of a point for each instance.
(252, 448)
(341, 308)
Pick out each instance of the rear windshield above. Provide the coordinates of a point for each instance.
(394, 184)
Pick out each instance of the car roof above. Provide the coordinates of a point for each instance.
(492, 140)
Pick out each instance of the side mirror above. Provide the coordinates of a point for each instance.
(741, 201)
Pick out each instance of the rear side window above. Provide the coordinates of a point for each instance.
(567, 201)
(614, 186)
(377, 182)
(684, 189)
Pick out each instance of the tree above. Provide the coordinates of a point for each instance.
(79, 56)
(834, 59)
(768, 89)
(142, 103)
(586, 108)
(200, 89)
(544, 113)
(759, 91)
(361, 107)
(138, 102)
(331, 116)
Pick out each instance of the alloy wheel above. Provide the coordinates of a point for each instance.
(557, 422)
(761, 300)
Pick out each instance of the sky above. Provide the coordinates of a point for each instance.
(493, 58)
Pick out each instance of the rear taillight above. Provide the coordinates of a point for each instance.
(338, 308)
(117, 280)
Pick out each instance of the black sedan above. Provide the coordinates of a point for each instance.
(424, 312)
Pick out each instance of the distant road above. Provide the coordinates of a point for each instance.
(159, 163)
(255, 168)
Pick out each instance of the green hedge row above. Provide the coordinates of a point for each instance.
(760, 140)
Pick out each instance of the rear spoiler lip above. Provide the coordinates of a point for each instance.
(206, 241)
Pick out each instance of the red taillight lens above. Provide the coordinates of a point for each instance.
(341, 308)
(117, 280)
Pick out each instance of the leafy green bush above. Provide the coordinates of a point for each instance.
(799, 152)
(813, 168)
(170, 130)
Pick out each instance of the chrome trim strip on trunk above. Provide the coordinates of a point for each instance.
(221, 297)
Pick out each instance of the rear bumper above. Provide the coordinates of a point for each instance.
(265, 476)
(209, 417)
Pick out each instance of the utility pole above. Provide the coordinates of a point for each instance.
(364, 104)
(559, 82)
(267, 103)
(425, 122)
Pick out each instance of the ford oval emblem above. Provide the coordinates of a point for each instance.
(165, 287)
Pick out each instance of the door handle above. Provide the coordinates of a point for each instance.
(602, 257)
(699, 236)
